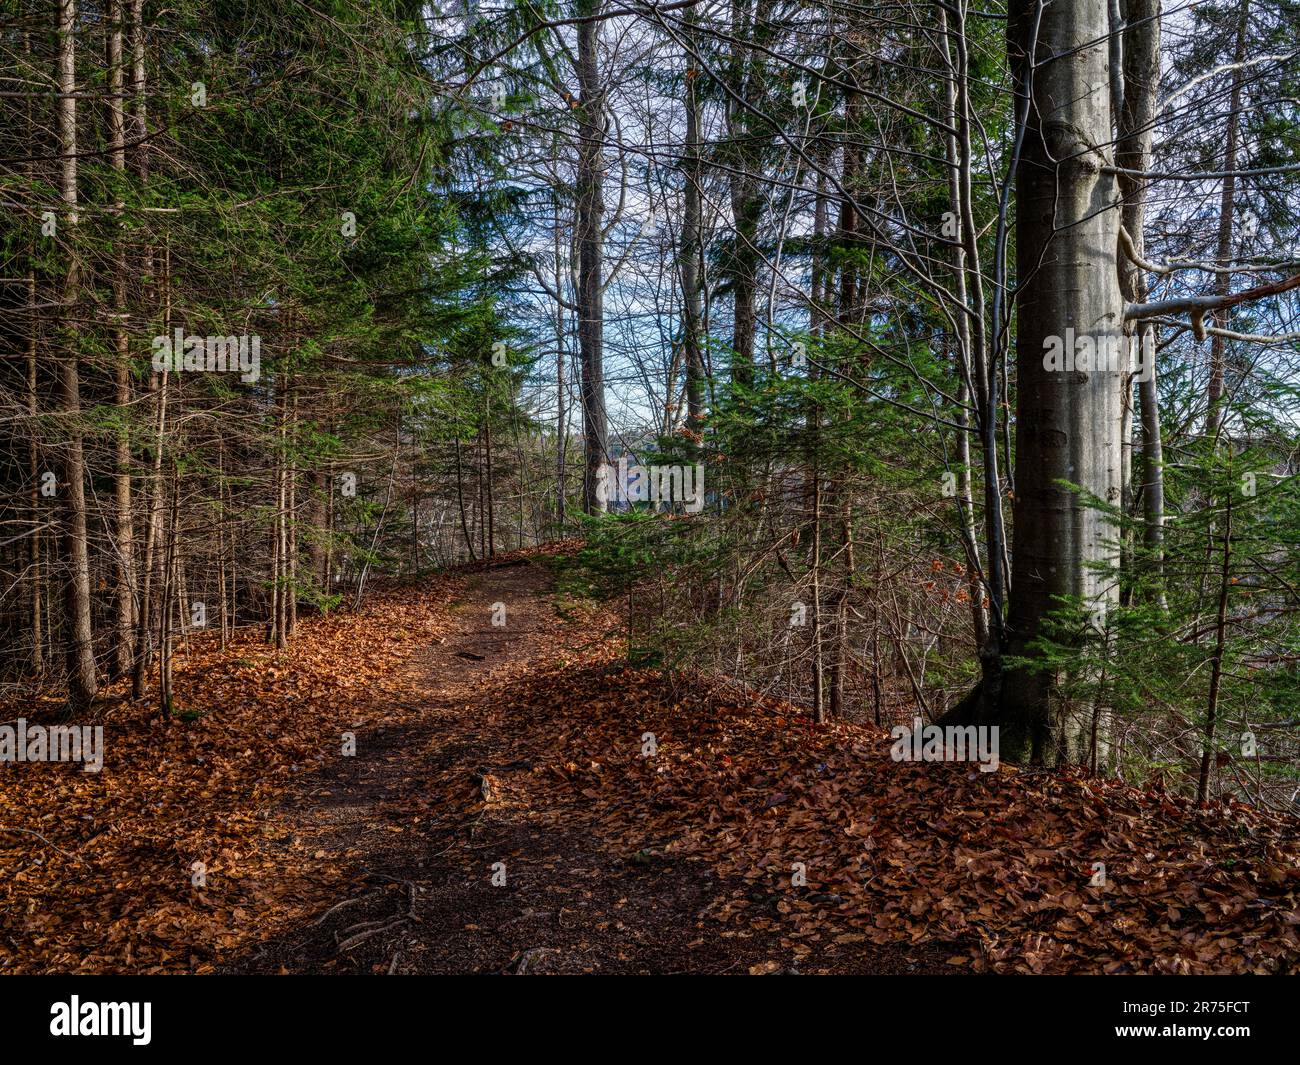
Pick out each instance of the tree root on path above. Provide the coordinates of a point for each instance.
(354, 935)
(361, 937)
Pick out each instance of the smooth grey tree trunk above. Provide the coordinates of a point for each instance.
(1068, 423)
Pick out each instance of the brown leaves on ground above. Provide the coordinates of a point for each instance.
(110, 886)
(1002, 863)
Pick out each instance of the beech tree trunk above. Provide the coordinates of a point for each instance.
(1068, 422)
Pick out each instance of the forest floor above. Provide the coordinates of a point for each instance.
(480, 755)
(503, 813)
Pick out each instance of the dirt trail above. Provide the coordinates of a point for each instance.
(422, 897)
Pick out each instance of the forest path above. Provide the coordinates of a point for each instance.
(458, 783)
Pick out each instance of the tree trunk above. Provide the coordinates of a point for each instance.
(316, 518)
(1216, 659)
(692, 311)
(34, 472)
(291, 525)
(158, 383)
(746, 204)
(123, 518)
(82, 682)
(166, 626)
(561, 408)
(152, 534)
(591, 249)
(965, 498)
(818, 669)
(1223, 281)
(35, 612)
(1141, 68)
(491, 499)
(460, 499)
(1068, 422)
